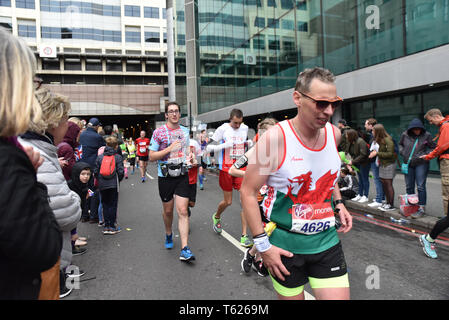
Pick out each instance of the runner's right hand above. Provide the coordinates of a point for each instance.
(175, 145)
(272, 260)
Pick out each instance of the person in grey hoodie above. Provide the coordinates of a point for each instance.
(418, 169)
(44, 137)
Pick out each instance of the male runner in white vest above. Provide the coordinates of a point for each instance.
(299, 162)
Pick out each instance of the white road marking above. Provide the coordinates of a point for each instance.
(148, 175)
(236, 243)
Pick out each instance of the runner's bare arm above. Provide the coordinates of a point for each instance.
(337, 134)
(345, 216)
(265, 160)
(239, 173)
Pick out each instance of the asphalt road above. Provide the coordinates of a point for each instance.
(385, 262)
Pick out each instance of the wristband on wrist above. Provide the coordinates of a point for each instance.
(262, 243)
(339, 201)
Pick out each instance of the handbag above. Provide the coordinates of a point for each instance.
(404, 166)
(50, 283)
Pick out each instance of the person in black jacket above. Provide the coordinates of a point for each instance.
(418, 168)
(91, 141)
(30, 238)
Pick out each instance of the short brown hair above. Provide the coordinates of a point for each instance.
(236, 113)
(432, 113)
(371, 121)
(111, 141)
(172, 103)
(305, 78)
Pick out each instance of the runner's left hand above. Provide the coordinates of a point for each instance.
(345, 218)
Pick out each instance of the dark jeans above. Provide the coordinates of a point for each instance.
(363, 176)
(109, 199)
(379, 189)
(417, 175)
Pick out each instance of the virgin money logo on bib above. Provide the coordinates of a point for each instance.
(303, 211)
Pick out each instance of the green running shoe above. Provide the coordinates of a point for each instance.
(217, 224)
(246, 242)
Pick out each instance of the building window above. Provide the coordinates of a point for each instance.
(164, 13)
(27, 4)
(5, 3)
(26, 28)
(6, 23)
(152, 35)
(259, 22)
(151, 12)
(132, 11)
(132, 34)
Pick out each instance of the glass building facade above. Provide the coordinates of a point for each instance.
(253, 48)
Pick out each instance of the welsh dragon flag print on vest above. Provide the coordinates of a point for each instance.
(299, 194)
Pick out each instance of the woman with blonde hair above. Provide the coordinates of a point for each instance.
(387, 164)
(30, 238)
(44, 136)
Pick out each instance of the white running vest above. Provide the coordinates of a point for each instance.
(299, 192)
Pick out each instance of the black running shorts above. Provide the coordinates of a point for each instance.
(324, 265)
(169, 186)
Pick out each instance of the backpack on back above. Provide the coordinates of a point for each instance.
(107, 169)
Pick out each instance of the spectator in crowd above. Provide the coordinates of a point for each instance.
(91, 141)
(67, 159)
(348, 184)
(419, 141)
(44, 136)
(374, 166)
(358, 150)
(441, 151)
(342, 125)
(30, 238)
(66, 149)
(109, 186)
(387, 164)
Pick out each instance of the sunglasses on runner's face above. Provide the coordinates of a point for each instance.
(323, 104)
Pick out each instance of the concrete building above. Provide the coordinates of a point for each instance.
(107, 56)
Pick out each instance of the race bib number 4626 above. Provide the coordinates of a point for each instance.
(312, 219)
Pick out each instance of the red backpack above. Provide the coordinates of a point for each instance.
(107, 169)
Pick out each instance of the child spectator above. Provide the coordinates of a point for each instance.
(348, 184)
(109, 185)
(81, 173)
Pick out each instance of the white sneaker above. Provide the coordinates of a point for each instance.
(363, 199)
(382, 206)
(374, 204)
(356, 198)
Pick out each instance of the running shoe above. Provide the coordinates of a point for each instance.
(428, 247)
(260, 268)
(246, 242)
(77, 251)
(107, 230)
(217, 224)
(169, 241)
(143, 179)
(418, 214)
(247, 261)
(186, 254)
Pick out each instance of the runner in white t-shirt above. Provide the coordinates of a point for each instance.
(232, 138)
